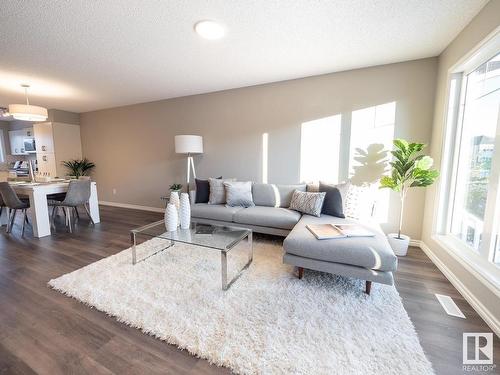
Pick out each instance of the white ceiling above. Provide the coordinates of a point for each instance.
(84, 55)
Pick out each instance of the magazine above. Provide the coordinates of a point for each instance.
(330, 231)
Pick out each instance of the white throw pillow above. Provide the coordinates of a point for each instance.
(217, 190)
(239, 194)
(357, 200)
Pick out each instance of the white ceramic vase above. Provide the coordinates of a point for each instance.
(171, 218)
(185, 211)
(399, 245)
(174, 199)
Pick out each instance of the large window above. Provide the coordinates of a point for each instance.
(372, 133)
(320, 149)
(350, 145)
(474, 207)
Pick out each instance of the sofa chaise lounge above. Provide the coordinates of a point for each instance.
(367, 258)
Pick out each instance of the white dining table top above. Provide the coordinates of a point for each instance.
(25, 185)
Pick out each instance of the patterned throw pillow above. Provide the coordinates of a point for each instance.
(357, 200)
(307, 203)
(217, 190)
(239, 194)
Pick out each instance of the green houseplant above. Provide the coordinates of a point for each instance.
(79, 168)
(175, 187)
(409, 168)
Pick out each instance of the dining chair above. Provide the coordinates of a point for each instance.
(2, 205)
(78, 194)
(13, 203)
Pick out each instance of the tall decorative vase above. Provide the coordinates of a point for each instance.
(174, 199)
(185, 211)
(171, 217)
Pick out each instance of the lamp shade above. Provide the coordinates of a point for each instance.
(188, 144)
(28, 112)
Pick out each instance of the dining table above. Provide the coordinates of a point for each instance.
(39, 209)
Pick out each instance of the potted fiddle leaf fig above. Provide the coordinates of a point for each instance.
(410, 168)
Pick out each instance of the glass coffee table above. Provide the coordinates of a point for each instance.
(208, 236)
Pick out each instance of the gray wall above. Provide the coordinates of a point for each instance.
(133, 146)
(483, 24)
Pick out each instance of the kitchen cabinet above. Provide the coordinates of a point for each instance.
(55, 143)
(47, 166)
(16, 138)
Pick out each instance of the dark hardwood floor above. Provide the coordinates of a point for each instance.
(42, 331)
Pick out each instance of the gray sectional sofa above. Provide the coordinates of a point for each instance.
(366, 258)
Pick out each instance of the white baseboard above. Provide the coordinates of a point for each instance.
(415, 243)
(491, 320)
(132, 206)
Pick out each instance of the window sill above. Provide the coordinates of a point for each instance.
(486, 272)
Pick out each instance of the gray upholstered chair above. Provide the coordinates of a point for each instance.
(78, 194)
(60, 196)
(13, 203)
(2, 205)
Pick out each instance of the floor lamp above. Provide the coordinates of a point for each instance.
(189, 145)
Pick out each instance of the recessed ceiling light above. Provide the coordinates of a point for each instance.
(209, 29)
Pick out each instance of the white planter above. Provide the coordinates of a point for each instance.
(185, 211)
(171, 218)
(399, 245)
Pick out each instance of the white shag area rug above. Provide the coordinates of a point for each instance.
(268, 322)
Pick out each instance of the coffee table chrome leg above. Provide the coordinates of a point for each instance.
(225, 284)
(223, 259)
(134, 243)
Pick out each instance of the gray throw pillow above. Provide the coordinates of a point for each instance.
(332, 205)
(217, 190)
(239, 194)
(307, 203)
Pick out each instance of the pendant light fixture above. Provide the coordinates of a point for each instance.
(28, 112)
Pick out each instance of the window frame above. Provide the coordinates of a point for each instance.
(454, 108)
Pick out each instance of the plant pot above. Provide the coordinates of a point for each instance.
(399, 245)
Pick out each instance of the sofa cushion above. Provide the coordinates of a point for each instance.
(214, 211)
(264, 194)
(368, 252)
(273, 217)
(286, 192)
(271, 195)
